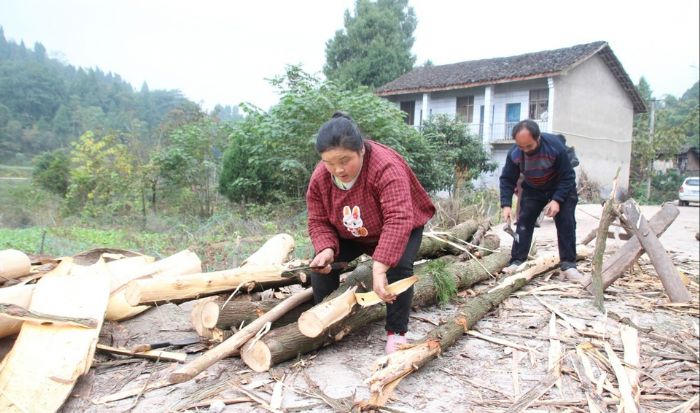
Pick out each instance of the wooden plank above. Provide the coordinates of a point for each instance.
(46, 360)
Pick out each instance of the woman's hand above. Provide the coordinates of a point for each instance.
(379, 282)
(323, 259)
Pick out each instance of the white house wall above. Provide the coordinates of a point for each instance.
(595, 114)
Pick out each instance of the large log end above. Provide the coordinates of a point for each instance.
(256, 355)
(310, 325)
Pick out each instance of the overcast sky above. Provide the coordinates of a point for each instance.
(222, 51)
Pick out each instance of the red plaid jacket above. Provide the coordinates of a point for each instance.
(381, 209)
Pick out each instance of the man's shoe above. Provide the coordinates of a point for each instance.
(572, 274)
(393, 341)
(511, 268)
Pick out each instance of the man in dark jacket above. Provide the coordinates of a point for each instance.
(549, 183)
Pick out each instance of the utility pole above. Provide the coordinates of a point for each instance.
(651, 141)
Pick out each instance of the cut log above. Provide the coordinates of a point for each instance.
(390, 369)
(205, 314)
(615, 266)
(46, 360)
(314, 321)
(184, 262)
(13, 264)
(667, 272)
(275, 250)
(232, 345)
(288, 342)
(210, 313)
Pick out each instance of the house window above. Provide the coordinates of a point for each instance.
(465, 109)
(539, 101)
(409, 107)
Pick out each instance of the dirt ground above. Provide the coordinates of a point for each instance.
(474, 375)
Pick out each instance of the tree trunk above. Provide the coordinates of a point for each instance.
(213, 313)
(392, 368)
(128, 269)
(615, 266)
(662, 262)
(13, 264)
(287, 342)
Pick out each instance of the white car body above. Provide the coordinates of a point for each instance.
(689, 191)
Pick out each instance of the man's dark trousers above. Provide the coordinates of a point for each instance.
(531, 204)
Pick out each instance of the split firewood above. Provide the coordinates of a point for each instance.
(606, 217)
(625, 257)
(631, 345)
(46, 361)
(288, 342)
(667, 272)
(128, 269)
(13, 264)
(391, 369)
(629, 405)
(232, 345)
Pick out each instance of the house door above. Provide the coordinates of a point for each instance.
(409, 107)
(512, 116)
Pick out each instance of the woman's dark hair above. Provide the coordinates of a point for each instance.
(528, 124)
(339, 132)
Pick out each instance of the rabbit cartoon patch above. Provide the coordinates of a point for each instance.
(353, 221)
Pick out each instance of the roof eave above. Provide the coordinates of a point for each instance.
(464, 85)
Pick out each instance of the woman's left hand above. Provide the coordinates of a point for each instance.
(379, 282)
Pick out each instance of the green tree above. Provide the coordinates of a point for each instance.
(271, 155)
(191, 160)
(102, 177)
(52, 171)
(375, 45)
(458, 150)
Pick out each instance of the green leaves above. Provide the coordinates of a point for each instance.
(271, 155)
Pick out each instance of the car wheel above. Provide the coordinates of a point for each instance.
(682, 203)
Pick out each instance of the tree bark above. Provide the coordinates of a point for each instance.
(287, 342)
(390, 369)
(615, 266)
(489, 243)
(663, 264)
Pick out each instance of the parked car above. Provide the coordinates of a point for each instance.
(689, 191)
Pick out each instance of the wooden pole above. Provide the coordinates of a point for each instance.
(606, 218)
(663, 264)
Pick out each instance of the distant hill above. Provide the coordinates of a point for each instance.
(46, 104)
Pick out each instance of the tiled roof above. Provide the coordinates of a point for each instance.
(507, 69)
